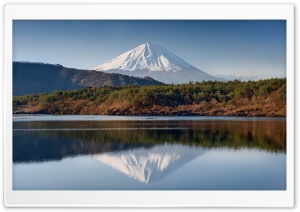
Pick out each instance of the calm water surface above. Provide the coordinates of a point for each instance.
(148, 153)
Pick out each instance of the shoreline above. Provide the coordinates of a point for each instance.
(157, 114)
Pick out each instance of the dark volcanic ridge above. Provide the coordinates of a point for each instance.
(29, 78)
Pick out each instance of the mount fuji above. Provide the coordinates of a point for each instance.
(155, 61)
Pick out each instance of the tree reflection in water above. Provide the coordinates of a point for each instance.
(44, 140)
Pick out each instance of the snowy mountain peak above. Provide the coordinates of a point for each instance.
(150, 59)
(150, 56)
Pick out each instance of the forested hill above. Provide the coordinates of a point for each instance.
(30, 78)
(233, 98)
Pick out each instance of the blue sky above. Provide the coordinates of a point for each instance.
(250, 49)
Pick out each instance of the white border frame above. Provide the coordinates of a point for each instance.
(14, 198)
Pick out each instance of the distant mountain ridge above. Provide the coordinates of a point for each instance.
(29, 78)
(153, 60)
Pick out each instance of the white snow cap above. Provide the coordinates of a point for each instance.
(148, 56)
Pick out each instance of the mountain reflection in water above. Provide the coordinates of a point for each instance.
(150, 155)
(152, 164)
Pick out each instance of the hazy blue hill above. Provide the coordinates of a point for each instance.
(29, 78)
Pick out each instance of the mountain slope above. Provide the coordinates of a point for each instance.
(31, 78)
(157, 62)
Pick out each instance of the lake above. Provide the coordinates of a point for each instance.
(72, 152)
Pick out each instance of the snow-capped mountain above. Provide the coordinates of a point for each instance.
(156, 62)
(150, 165)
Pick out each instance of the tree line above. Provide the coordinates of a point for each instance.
(251, 98)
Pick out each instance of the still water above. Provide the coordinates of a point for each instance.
(148, 153)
